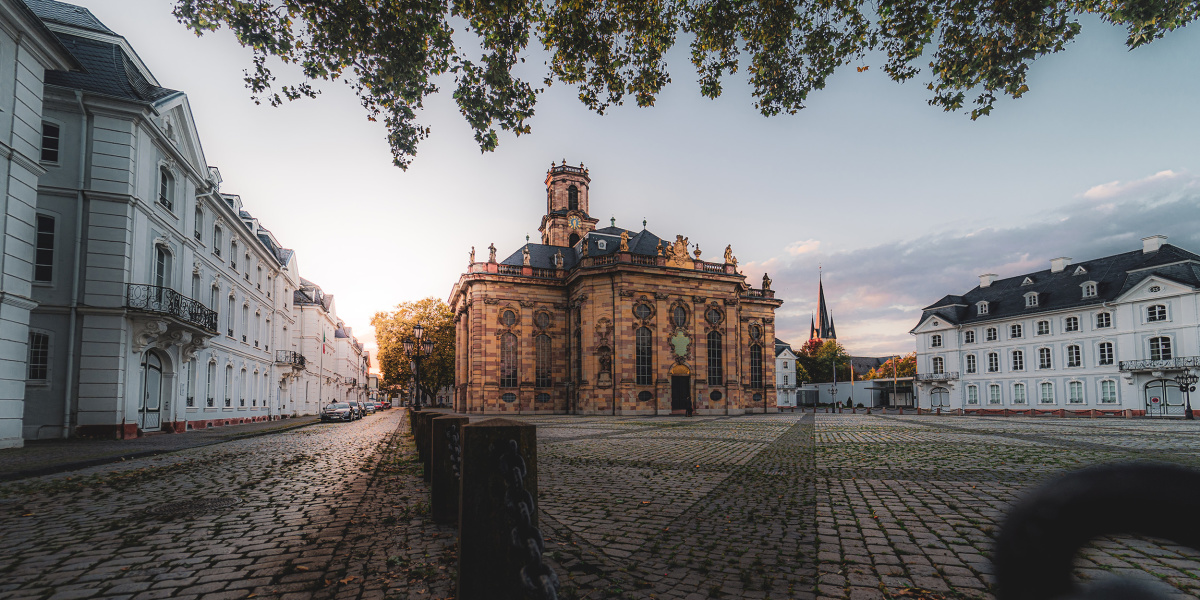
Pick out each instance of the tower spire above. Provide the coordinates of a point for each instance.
(824, 321)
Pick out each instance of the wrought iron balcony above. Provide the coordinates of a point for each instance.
(166, 301)
(1166, 364)
(352, 382)
(288, 357)
(948, 376)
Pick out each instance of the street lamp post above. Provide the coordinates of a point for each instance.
(416, 347)
(1187, 383)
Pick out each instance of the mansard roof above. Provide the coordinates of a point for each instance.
(108, 70)
(1114, 275)
(67, 14)
(542, 256)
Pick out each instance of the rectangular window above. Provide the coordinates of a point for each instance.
(197, 225)
(1018, 360)
(969, 337)
(1075, 392)
(1106, 353)
(166, 188)
(216, 240)
(991, 334)
(1074, 356)
(191, 383)
(993, 394)
(970, 363)
(51, 136)
(1018, 393)
(1044, 358)
(1043, 328)
(1047, 393)
(936, 341)
(993, 362)
(716, 371)
(1015, 331)
(43, 255)
(210, 386)
(756, 378)
(1108, 392)
(39, 356)
(972, 395)
(1160, 348)
(1103, 320)
(1072, 324)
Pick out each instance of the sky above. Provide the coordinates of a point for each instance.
(897, 203)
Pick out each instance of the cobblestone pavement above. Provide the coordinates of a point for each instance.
(302, 500)
(762, 506)
(39, 457)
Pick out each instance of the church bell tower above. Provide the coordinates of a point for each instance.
(566, 220)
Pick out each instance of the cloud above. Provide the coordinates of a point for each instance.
(803, 247)
(875, 293)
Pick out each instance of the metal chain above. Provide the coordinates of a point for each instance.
(452, 443)
(527, 539)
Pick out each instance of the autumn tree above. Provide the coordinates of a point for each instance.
(393, 52)
(818, 360)
(392, 328)
(903, 366)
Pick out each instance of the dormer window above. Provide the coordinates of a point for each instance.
(1089, 289)
(1028, 281)
(601, 244)
(982, 307)
(1080, 271)
(1031, 300)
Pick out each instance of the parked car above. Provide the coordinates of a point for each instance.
(339, 411)
(369, 408)
(362, 408)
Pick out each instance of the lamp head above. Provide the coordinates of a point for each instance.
(418, 331)
(427, 347)
(408, 346)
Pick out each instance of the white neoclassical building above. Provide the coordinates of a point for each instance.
(1102, 336)
(785, 374)
(156, 301)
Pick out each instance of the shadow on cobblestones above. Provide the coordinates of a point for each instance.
(730, 524)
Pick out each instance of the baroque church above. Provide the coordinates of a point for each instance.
(609, 321)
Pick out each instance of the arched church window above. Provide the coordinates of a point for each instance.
(643, 348)
(508, 318)
(715, 371)
(508, 360)
(756, 378)
(642, 311)
(679, 316)
(572, 198)
(543, 348)
(755, 332)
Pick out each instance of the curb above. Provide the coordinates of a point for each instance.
(95, 462)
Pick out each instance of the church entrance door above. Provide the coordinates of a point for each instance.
(681, 396)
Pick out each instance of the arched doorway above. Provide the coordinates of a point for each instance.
(681, 388)
(939, 397)
(1163, 399)
(574, 239)
(150, 404)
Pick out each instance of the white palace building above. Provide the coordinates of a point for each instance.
(1103, 336)
(137, 296)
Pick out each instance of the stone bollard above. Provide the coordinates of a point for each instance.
(939, 411)
(419, 439)
(901, 409)
(446, 458)
(498, 539)
(427, 418)
(853, 409)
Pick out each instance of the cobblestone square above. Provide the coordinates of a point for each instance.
(757, 506)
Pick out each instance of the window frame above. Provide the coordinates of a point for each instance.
(1074, 356)
(1071, 324)
(1104, 383)
(1022, 397)
(57, 160)
(756, 367)
(973, 395)
(716, 357)
(994, 395)
(1157, 316)
(1164, 349)
(993, 360)
(1016, 331)
(1073, 386)
(991, 334)
(543, 361)
(1105, 348)
(644, 355)
(969, 337)
(43, 352)
(1031, 300)
(1045, 358)
(972, 365)
(1042, 388)
(938, 364)
(1107, 320)
(1043, 327)
(935, 340)
(1017, 360)
(40, 251)
(165, 196)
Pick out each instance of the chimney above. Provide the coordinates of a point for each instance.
(1152, 243)
(1058, 264)
(986, 280)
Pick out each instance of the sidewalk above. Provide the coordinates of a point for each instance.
(44, 457)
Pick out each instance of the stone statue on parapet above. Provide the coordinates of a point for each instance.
(730, 259)
(624, 241)
(472, 254)
(491, 253)
(766, 282)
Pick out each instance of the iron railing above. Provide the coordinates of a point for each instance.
(289, 357)
(1179, 362)
(948, 376)
(166, 301)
